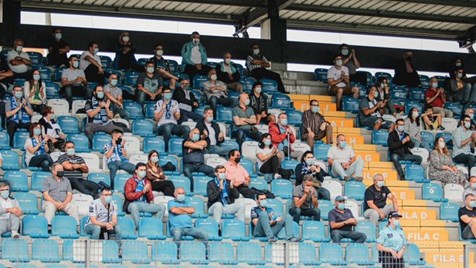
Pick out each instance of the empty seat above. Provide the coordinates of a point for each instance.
(234, 230)
(151, 228)
(99, 141)
(259, 184)
(325, 206)
(10, 160)
(358, 254)
(128, 229)
(198, 81)
(37, 178)
(4, 141)
(35, 226)
(314, 231)
(164, 159)
(269, 85)
(165, 252)
(413, 256)
(230, 145)
(142, 128)
(248, 165)
(99, 177)
(28, 203)
(223, 253)
(199, 205)
(368, 229)
(307, 254)
(135, 252)
(281, 101)
(331, 254)
(379, 137)
(282, 188)
(120, 181)
(200, 185)
(119, 201)
(193, 252)
(81, 142)
(250, 253)
(334, 187)
(64, 227)
(320, 151)
(449, 211)
(175, 146)
(52, 90)
(350, 105)
(432, 191)
(132, 144)
(15, 250)
(295, 231)
(69, 124)
(294, 117)
(45, 250)
(277, 207)
(92, 161)
(354, 190)
(18, 180)
(210, 226)
(453, 192)
(36, 58)
(110, 251)
(224, 114)
(154, 143)
(320, 74)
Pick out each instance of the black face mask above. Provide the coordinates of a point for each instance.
(119, 141)
(60, 174)
(409, 58)
(237, 160)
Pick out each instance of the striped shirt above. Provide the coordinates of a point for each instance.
(250, 58)
(75, 159)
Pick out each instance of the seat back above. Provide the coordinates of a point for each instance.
(209, 226)
(200, 185)
(128, 229)
(164, 252)
(350, 105)
(19, 139)
(453, 192)
(432, 191)
(175, 146)
(99, 141)
(69, 124)
(99, 177)
(151, 228)
(314, 231)
(277, 207)
(120, 181)
(449, 211)
(181, 181)
(15, 250)
(28, 203)
(414, 172)
(249, 252)
(37, 178)
(379, 137)
(357, 253)
(134, 109)
(64, 227)
(354, 190)
(325, 206)
(35, 226)
(60, 106)
(18, 180)
(81, 142)
(224, 114)
(199, 205)
(153, 143)
(194, 252)
(330, 253)
(248, 149)
(222, 252)
(281, 101)
(142, 128)
(368, 229)
(282, 188)
(82, 202)
(234, 229)
(334, 187)
(321, 150)
(135, 252)
(92, 161)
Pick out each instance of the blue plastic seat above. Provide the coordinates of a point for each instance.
(15, 250)
(314, 231)
(18, 180)
(36, 58)
(294, 117)
(193, 252)
(307, 254)
(248, 165)
(58, 73)
(110, 252)
(19, 139)
(449, 211)
(64, 227)
(199, 96)
(4, 141)
(69, 124)
(175, 146)
(250, 253)
(379, 137)
(165, 252)
(210, 226)
(424, 80)
(295, 229)
(105, 61)
(134, 109)
(99, 177)
(350, 105)
(81, 142)
(320, 74)
(45, 74)
(234, 230)
(128, 229)
(277, 207)
(28, 203)
(332, 254)
(45, 250)
(368, 229)
(415, 173)
(120, 181)
(35, 226)
(383, 74)
(455, 107)
(320, 151)
(259, 184)
(198, 81)
(142, 128)
(398, 93)
(154, 143)
(149, 110)
(199, 205)
(224, 114)
(325, 206)
(441, 80)
(369, 77)
(289, 164)
(417, 94)
(433, 191)
(269, 85)
(247, 83)
(200, 185)
(164, 159)
(359, 254)
(448, 138)
(354, 190)
(282, 188)
(119, 201)
(230, 145)
(181, 181)
(135, 252)
(410, 104)
(413, 256)
(281, 101)
(223, 253)
(52, 90)
(99, 141)
(130, 78)
(427, 137)
(151, 228)
(37, 178)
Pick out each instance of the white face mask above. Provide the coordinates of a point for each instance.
(113, 82)
(345, 52)
(36, 77)
(150, 69)
(415, 114)
(400, 128)
(58, 36)
(196, 41)
(76, 64)
(434, 85)
(256, 51)
(213, 77)
(467, 125)
(339, 63)
(441, 144)
(227, 61)
(19, 49)
(141, 174)
(95, 51)
(159, 52)
(125, 38)
(460, 75)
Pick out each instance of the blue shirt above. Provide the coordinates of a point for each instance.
(179, 220)
(117, 155)
(392, 238)
(257, 210)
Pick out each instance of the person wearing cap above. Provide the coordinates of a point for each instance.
(391, 243)
(471, 189)
(467, 217)
(342, 222)
(305, 200)
(375, 200)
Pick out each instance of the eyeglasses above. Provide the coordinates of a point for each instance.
(343, 201)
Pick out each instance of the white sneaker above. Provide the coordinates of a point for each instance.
(277, 176)
(15, 235)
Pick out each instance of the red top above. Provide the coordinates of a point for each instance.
(438, 102)
(277, 137)
(130, 190)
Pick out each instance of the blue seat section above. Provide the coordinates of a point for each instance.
(154, 143)
(4, 141)
(210, 226)
(142, 127)
(359, 254)
(247, 83)
(18, 180)
(415, 173)
(175, 146)
(181, 181)
(368, 229)
(307, 254)
(37, 178)
(417, 94)
(224, 114)
(36, 58)
(325, 206)
(413, 256)
(449, 211)
(433, 191)
(52, 90)
(105, 61)
(99, 141)
(223, 253)
(110, 251)
(455, 107)
(193, 252)
(134, 109)
(15, 250)
(230, 145)
(289, 164)
(69, 124)
(35, 226)
(28, 203)
(151, 228)
(234, 230)
(165, 252)
(320, 151)
(281, 101)
(81, 142)
(130, 78)
(64, 227)
(277, 207)
(427, 136)
(350, 105)
(19, 139)
(314, 231)
(149, 110)
(250, 253)
(200, 185)
(259, 184)
(199, 205)
(282, 188)
(99, 177)
(119, 201)
(424, 80)
(120, 181)
(45, 250)
(198, 81)
(320, 74)
(354, 190)
(135, 252)
(379, 137)
(269, 85)
(128, 229)
(331, 254)
(295, 229)
(410, 104)
(294, 117)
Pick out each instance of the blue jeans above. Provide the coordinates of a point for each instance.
(117, 110)
(42, 161)
(357, 237)
(188, 168)
(169, 129)
(178, 232)
(141, 97)
(136, 207)
(215, 149)
(263, 228)
(95, 231)
(185, 115)
(114, 166)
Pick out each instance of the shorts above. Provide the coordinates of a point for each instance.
(467, 233)
(333, 90)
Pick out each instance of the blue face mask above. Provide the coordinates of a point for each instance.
(100, 95)
(222, 176)
(267, 142)
(108, 199)
(315, 109)
(342, 144)
(471, 203)
(180, 197)
(168, 95)
(341, 206)
(37, 131)
(284, 122)
(5, 194)
(263, 203)
(396, 223)
(195, 137)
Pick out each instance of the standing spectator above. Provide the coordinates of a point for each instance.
(116, 156)
(194, 156)
(99, 114)
(266, 224)
(463, 140)
(51, 129)
(258, 65)
(35, 91)
(310, 166)
(139, 197)
(413, 128)
(342, 223)
(236, 173)
(228, 73)
(211, 132)
(349, 60)
(399, 145)
(103, 217)
(467, 217)
(57, 194)
(283, 137)
(269, 160)
(73, 82)
(370, 111)
(383, 95)
(162, 66)
(18, 112)
(339, 83)
(244, 120)
(314, 125)
(222, 197)
(391, 243)
(461, 88)
(10, 211)
(305, 201)
(216, 92)
(194, 58)
(91, 64)
(18, 60)
(375, 200)
(436, 97)
(471, 189)
(180, 220)
(75, 168)
(186, 102)
(114, 94)
(167, 112)
(156, 175)
(405, 72)
(37, 149)
(343, 161)
(58, 50)
(149, 84)
(432, 120)
(125, 58)
(441, 166)
(259, 103)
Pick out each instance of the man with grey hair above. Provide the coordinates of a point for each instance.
(10, 211)
(375, 200)
(305, 201)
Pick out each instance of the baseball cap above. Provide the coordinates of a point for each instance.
(394, 214)
(341, 198)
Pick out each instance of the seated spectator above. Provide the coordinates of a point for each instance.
(18, 112)
(343, 161)
(463, 140)
(349, 60)
(186, 102)
(259, 103)
(116, 155)
(180, 220)
(10, 211)
(167, 112)
(370, 111)
(125, 58)
(75, 168)
(211, 132)
(73, 82)
(399, 145)
(57, 194)
(431, 119)
(467, 217)
(37, 149)
(435, 96)
(339, 83)
(103, 218)
(114, 94)
(99, 114)
(266, 224)
(51, 129)
(391, 242)
(461, 88)
(244, 120)
(6, 76)
(58, 50)
(471, 188)
(258, 65)
(470, 112)
(236, 173)
(269, 160)
(156, 175)
(458, 62)
(229, 74)
(383, 95)
(19, 61)
(222, 197)
(375, 200)
(283, 137)
(194, 58)
(342, 223)
(314, 125)
(162, 66)
(405, 72)
(305, 200)
(139, 197)
(149, 85)
(441, 166)
(91, 64)
(194, 155)
(309, 166)
(413, 128)
(216, 92)
(35, 91)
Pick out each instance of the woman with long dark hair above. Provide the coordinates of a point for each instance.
(35, 91)
(268, 160)
(156, 175)
(441, 166)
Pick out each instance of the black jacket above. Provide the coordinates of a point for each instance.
(403, 78)
(223, 76)
(395, 145)
(300, 175)
(202, 126)
(179, 96)
(213, 193)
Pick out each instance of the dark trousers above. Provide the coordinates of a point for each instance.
(260, 73)
(38, 108)
(185, 115)
(191, 71)
(315, 213)
(222, 100)
(43, 161)
(93, 75)
(75, 91)
(416, 159)
(241, 134)
(165, 186)
(12, 127)
(467, 159)
(84, 186)
(245, 191)
(323, 194)
(189, 168)
(270, 166)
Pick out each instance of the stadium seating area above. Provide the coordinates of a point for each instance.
(429, 209)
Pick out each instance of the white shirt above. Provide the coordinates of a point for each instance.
(5, 204)
(83, 64)
(211, 134)
(266, 150)
(340, 155)
(196, 56)
(28, 155)
(98, 210)
(336, 74)
(164, 120)
(372, 104)
(22, 68)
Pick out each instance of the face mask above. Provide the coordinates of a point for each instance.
(159, 52)
(471, 115)
(125, 38)
(209, 119)
(396, 223)
(154, 159)
(222, 176)
(467, 125)
(18, 94)
(5, 194)
(196, 41)
(60, 174)
(37, 131)
(339, 62)
(195, 137)
(263, 203)
(458, 64)
(256, 51)
(113, 82)
(258, 90)
(58, 36)
(341, 206)
(141, 174)
(100, 95)
(434, 85)
(473, 185)
(380, 183)
(227, 61)
(345, 52)
(315, 109)
(460, 75)
(375, 94)
(471, 204)
(409, 58)
(168, 95)
(284, 122)
(247, 102)
(119, 141)
(267, 142)
(107, 199)
(213, 77)
(180, 197)
(150, 69)
(19, 49)
(342, 144)
(70, 151)
(36, 77)
(415, 114)
(441, 144)
(237, 160)
(309, 161)
(400, 128)
(76, 64)
(95, 51)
